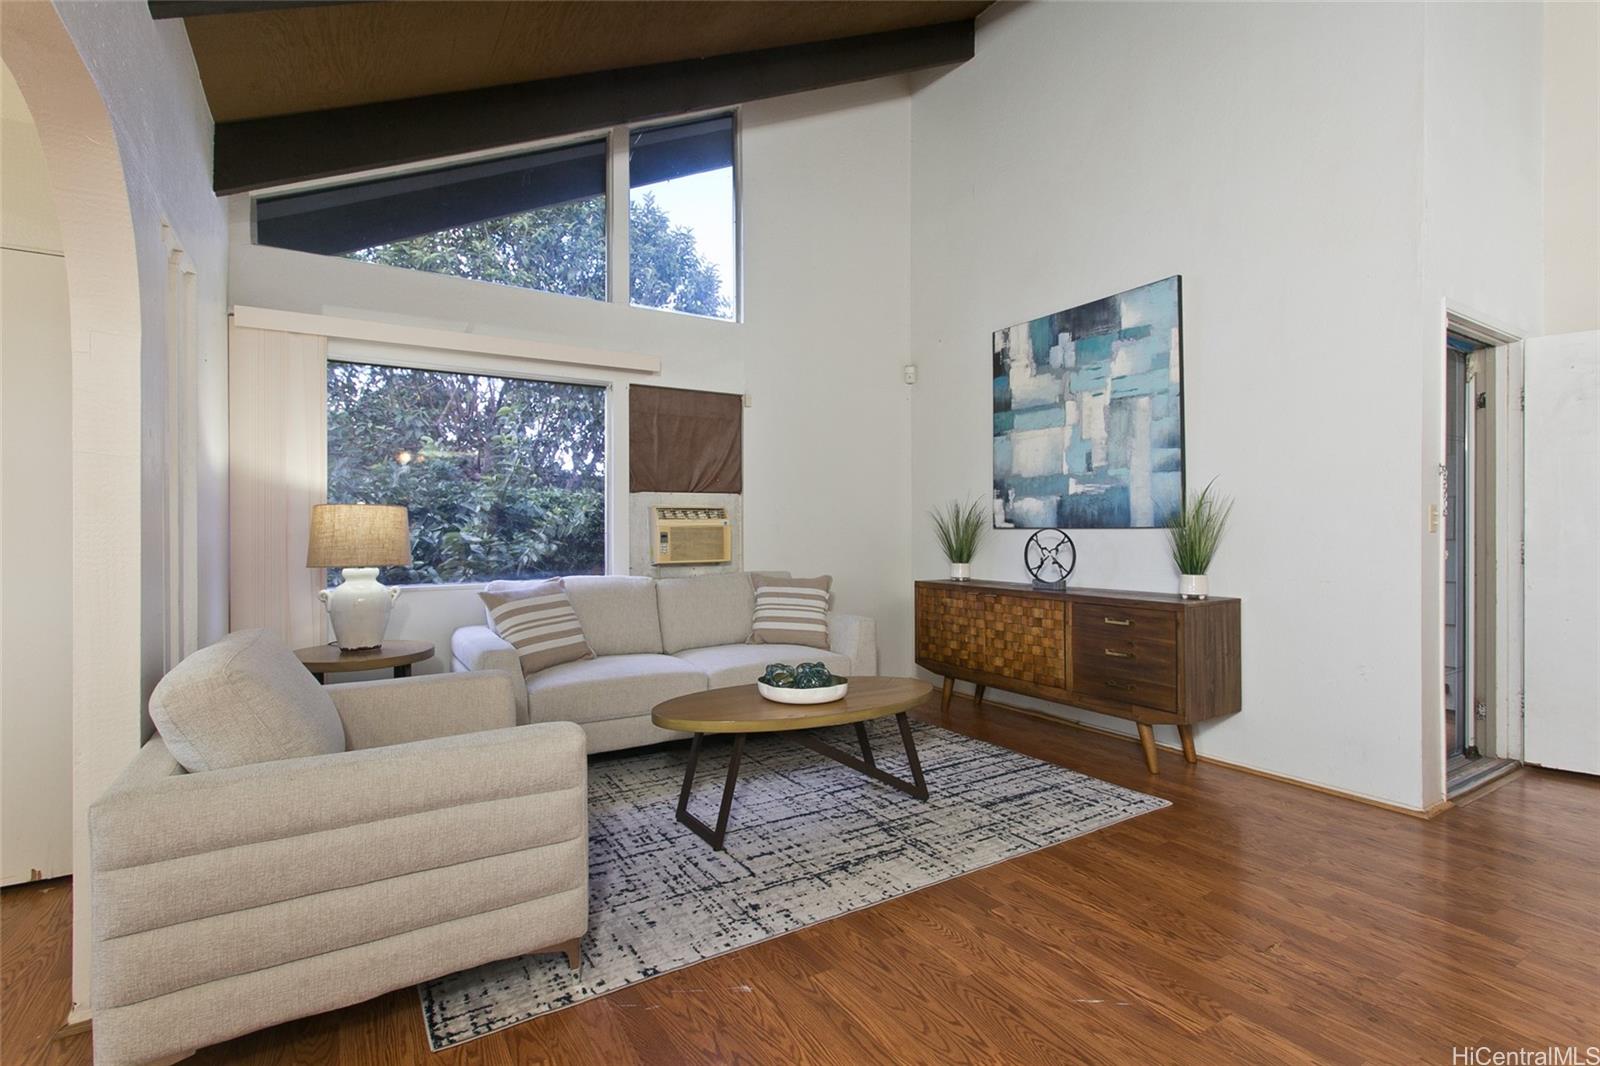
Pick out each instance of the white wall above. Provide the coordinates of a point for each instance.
(1572, 166)
(826, 236)
(1482, 249)
(1274, 155)
(35, 511)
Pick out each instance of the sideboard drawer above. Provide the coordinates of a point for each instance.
(1142, 691)
(1125, 623)
(1096, 654)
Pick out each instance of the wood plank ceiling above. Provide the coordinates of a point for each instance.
(345, 66)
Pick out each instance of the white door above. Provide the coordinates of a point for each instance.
(1561, 531)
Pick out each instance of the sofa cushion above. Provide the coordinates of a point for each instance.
(245, 699)
(618, 613)
(791, 610)
(741, 664)
(699, 612)
(613, 686)
(539, 622)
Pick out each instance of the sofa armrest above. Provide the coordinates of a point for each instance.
(380, 713)
(857, 637)
(480, 648)
(149, 817)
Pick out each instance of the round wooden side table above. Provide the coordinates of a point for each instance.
(396, 655)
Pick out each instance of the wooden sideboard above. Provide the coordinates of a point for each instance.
(1153, 658)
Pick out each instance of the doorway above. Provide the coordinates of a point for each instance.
(1476, 391)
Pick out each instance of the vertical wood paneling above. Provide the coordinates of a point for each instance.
(278, 470)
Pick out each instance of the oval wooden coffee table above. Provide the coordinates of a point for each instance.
(742, 711)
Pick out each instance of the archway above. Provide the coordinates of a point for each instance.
(97, 239)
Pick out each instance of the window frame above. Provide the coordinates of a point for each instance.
(614, 493)
(618, 190)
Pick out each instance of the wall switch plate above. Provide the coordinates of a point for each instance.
(749, 400)
(909, 373)
(1433, 518)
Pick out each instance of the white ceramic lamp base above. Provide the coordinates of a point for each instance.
(359, 608)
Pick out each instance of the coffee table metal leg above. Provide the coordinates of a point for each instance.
(911, 756)
(711, 836)
(917, 786)
(866, 745)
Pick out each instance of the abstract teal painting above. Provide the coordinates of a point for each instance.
(1088, 414)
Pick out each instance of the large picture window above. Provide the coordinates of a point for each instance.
(504, 477)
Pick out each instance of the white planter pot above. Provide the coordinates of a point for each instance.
(1193, 586)
(960, 571)
(359, 608)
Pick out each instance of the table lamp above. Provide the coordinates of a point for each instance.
(359, 537)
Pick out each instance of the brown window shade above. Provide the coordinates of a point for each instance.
(682, 440)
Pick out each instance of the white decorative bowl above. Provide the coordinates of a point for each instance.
(805, 695)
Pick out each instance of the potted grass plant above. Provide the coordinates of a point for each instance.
(1196, 532)
(960, 528)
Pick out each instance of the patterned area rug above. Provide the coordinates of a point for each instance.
(808, 840)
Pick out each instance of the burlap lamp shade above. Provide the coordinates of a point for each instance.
(359, 534)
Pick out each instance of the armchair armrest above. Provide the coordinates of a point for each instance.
(292, 859)
(381, 713)
(856, 636)
(480, 648)
(149, 815)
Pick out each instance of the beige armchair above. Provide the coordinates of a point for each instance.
(292, 879)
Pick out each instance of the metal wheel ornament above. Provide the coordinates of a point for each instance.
(1050, 557)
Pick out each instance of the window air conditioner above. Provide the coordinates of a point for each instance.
(684, 535)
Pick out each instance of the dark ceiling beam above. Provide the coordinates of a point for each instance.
(183, 9)
(263, 152)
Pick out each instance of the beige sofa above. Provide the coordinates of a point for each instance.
(654, 640)
(329, 845)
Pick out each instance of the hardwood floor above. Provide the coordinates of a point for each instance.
(1251, 922)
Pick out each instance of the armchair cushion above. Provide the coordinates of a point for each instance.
(245, 699)
(379, 713)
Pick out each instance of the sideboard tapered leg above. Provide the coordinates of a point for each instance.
(944, 697)
(1186, 734)
(1147, 740)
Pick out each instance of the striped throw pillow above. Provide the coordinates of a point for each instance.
(540, 623)
(791, 610)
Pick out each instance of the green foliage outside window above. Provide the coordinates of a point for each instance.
(504, 478)
(562, 249)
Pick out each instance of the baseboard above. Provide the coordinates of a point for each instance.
(78, 1021)
(1356, 797)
